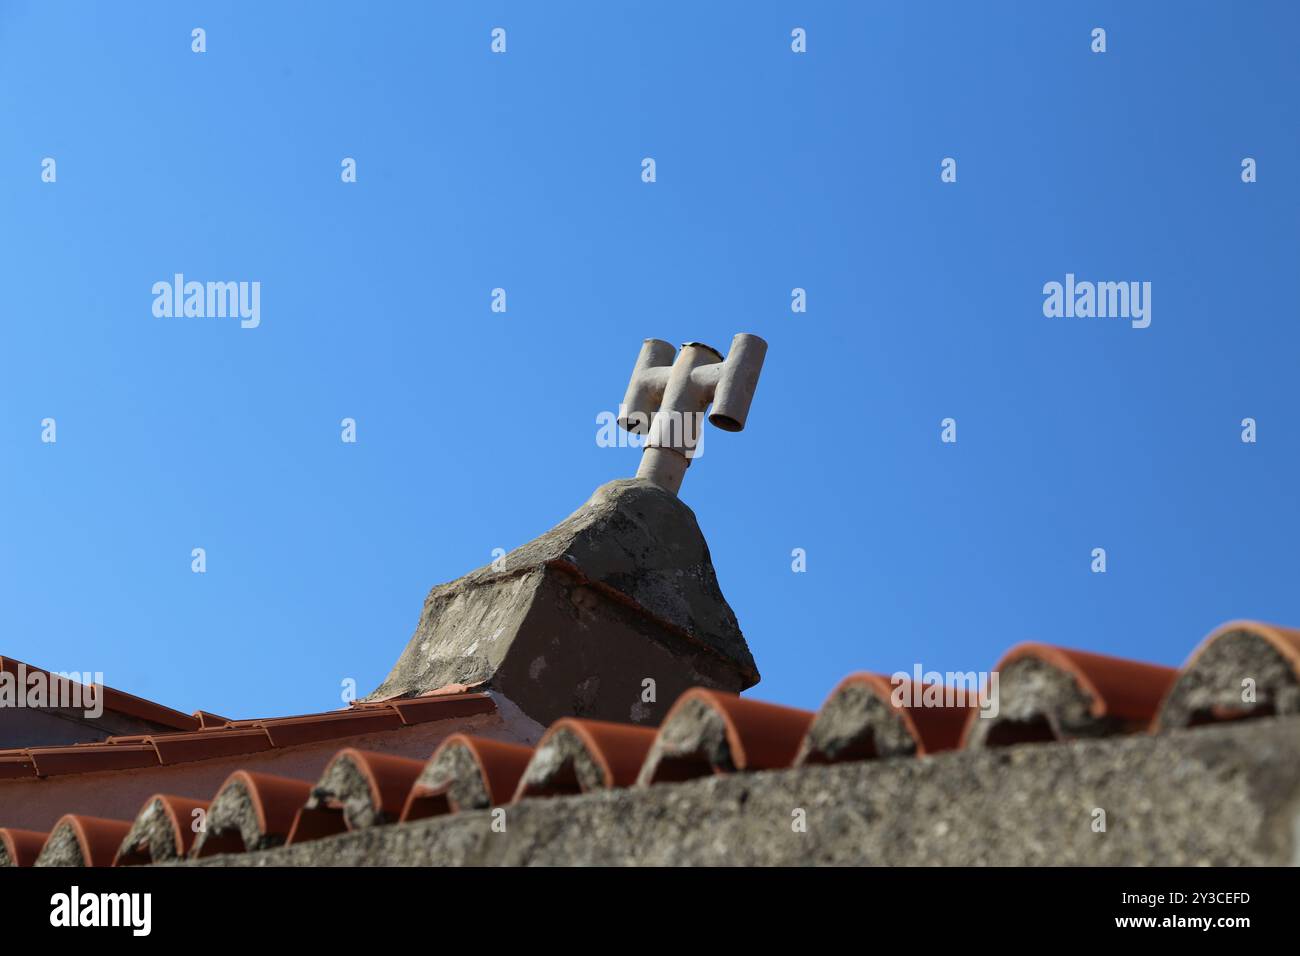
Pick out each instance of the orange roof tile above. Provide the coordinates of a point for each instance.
(22, 847)
(705, 732)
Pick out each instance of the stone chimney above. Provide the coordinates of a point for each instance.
(616, 610)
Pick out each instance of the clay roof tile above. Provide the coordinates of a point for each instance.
(208, 744)
(1235, 656)
(419, 710)
(1101, 695)
(467, 772)
(21, 847)
(251, 811)
(77, 840)
(358, 789)
(92, 758)
(312, 728)
(710, 731)
(164, 830)
(577, 755)
(870, 715)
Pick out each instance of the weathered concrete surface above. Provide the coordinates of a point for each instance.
(572, 623)
(1223, 795)
(1038, 702)
(1213, 683)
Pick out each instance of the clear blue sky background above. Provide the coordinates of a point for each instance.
(477, 430)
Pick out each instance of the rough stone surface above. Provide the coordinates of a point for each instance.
(571, 623)
(456, 774)
(1038, 701)
(856, 722)
(1214, 682)
(564, 762)
(232, 816)
(61, 849)
(151, 834)
(1223, 795)
(695, 738)
(344, 786)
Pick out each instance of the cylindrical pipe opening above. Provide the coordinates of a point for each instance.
(735, 391)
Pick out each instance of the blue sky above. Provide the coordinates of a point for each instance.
(476, 430)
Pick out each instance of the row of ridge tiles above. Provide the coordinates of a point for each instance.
(361, 788)
(219, 737)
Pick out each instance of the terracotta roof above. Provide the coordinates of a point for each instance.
(1046, 693)
(213, 740)
(467, 773)
(164, 830)
(576, 756)
(78, 840)
(119, 702)
(21, 847)
(358, 789)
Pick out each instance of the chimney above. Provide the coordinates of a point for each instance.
(616, 610)
(666, 400)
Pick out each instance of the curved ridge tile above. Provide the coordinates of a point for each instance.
(1242, 669)
(1048, 693)
(710, 731)
(868, 716)
(576, 755)
(164, 830)
(77, 840)
(358, 789)
(251, 811)
(20, 847)
(467, 773)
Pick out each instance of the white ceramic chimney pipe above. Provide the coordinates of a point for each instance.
(666, 400)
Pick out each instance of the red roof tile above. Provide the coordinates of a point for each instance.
(389, 778)
(756, 736)
(1126, 689)
(181, 815)
(314, 823)
(22, 847)
(615, 751)
(1209, 686)
(1285, 640)
(207, 721)
(388, 781)
(849, 724)
(705, 732)
(91, 758)
(497, 767)
(292, 731)
(419, 710)
(16, 764)
(206, 744)
(1124, 692)
(221, 738)
(274, 801)
(97, 838)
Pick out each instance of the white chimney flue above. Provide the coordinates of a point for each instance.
(666, 400)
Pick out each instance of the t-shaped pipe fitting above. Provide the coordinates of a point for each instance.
(666, 400)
